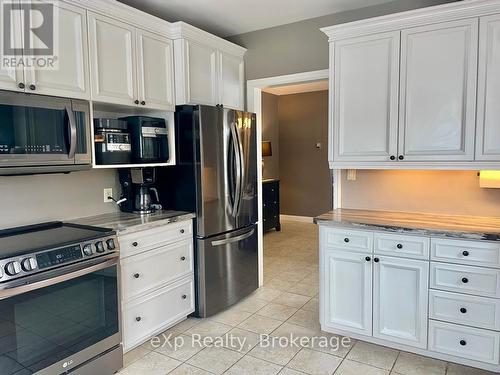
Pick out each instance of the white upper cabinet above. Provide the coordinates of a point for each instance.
(112, 60)
(438, 91)
(70, 78)
(155, 71)
(400, 288)
(232, 81)
(196, 73)
(488, 111)
(12, 78)
(366, 81)
(348, 297)
(130, 66)
(206, 75)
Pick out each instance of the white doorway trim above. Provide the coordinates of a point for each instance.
(254, 104)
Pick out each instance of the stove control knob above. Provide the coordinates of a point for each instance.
(111, 244)
(12, 268)
(28, 264)
(99, 247)
(87, 249)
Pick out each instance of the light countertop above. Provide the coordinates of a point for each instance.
(123, 222)
(454, 226)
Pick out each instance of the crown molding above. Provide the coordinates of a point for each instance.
(124, 13)
(413, 18)
(180, 30)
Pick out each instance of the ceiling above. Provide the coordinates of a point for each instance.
(231, 17)
(297, 88)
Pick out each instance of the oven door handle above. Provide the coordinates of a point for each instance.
(23, 288)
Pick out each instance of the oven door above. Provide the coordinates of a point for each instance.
(56, 323)
(40, 131)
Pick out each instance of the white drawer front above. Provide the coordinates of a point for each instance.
(473, 311)
(154, 268)
(465, 342)
(152, 313)
(139, 242)
(402, 246)
(475, 253)
(465, 279)
(346, 239)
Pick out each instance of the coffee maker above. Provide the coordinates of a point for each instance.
(137, 186)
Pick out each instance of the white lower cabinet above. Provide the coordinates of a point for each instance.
(400, 292)
(472, 343)
(155, 312)
(348, 298)
(157, 282)
(391, 290)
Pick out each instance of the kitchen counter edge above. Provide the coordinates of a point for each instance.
(430, 225)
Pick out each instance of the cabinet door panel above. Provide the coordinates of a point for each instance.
(366, 97)
(231, 81)
(488, 111)
(348, 293)
(400, 301)
(11, 77)
(438, 91)
(201, 79)
(112, 60)
(155, 70)
(70, 78)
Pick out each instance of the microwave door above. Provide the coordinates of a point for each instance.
(36, 130)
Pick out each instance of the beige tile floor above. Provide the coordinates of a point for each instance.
(287, 304)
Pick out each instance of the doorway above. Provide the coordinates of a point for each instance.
(299, 145)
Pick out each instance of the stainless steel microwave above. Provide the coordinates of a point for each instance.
(41, 134)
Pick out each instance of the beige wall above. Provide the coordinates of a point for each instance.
(270, 132)
(448, 192)
(39, 198)
(294, 124)
(301, 46)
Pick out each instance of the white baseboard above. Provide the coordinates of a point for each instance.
(302, 219)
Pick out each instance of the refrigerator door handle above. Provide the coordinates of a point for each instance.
(241, 237)
(237, 155)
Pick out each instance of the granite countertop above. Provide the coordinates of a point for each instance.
(124, 223)
(453, 226)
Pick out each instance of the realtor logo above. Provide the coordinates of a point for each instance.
(30, 35)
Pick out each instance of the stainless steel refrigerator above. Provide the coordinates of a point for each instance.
(216, 177)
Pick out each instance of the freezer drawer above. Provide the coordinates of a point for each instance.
(226, 269)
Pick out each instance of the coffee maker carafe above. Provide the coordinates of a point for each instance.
(137, 186)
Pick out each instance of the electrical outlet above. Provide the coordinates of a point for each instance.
(108, 192)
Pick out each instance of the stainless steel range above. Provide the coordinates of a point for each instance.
(59, 300)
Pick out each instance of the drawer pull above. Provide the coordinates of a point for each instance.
(376, 260)
(465, 253)
(135, 244)
(138, 319)
(368, 259)
(182, 230)
(346, 240)
(184, 296)
(463, 342)
(136, 275)
(183, 258)
(465, 280)
(463, 310)
(399, 246)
